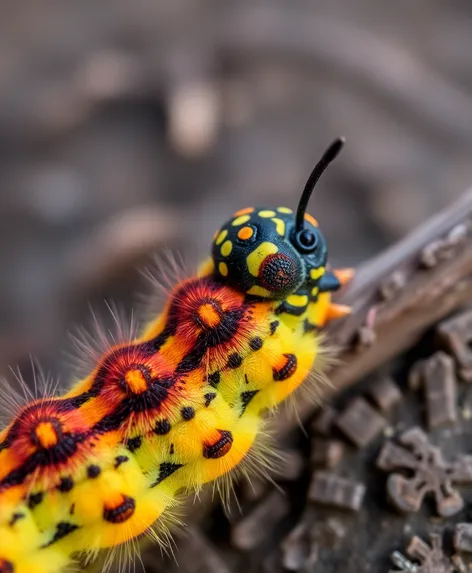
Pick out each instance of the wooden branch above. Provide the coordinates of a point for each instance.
(398, 295)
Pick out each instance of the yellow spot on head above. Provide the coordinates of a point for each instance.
(311, 219)
(46, 434)
(297, 300)
(208, 315)
(258, 291)
(245, 233)
(317, 273)
(223, 268)
(266, 214)
(285, 210)
(256, 258)
(279, 226)
(245, 211)
(240, 220)
(221, 237)
(226, 248)
(136, 381)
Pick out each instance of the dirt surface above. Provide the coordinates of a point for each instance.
(127, 128)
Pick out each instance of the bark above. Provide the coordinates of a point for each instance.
(399, 294)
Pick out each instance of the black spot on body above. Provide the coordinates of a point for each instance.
(35, 499)
(162, 427)
(165, 470)
(134, 444)
(62, 530)
(273, 326)
(256, 343)
(65, 485)
(171, 450)
(16, 517)
(234, 360)
(209, 397)
(192, 360)
(187, 413)
(93, 471)
(214, 378)
(120, 460)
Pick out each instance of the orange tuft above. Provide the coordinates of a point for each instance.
(344, 275)
(337, 311)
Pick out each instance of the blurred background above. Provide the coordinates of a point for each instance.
(128, 128)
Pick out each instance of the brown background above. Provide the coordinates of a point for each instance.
(130, 127)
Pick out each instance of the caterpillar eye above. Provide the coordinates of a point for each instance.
(305, 241)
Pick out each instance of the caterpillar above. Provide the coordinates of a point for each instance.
(179, 405)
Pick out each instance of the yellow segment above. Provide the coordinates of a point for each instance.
(46, 434)
(315, 291)
(317, 273)
(240, 220)
(223, 268)
(136, 381)
(206, 268)
(266, 214)
(258, 291)
(255, 259)
(297, 299)
(279, 226)
(284, 210)
(221, 237)
(245, 233)
(226, 248)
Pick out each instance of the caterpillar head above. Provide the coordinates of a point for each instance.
(272, 253)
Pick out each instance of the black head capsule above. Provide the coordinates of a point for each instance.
(273, 252)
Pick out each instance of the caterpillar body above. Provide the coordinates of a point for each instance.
(179, 406)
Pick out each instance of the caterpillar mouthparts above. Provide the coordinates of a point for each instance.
(177, 406)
